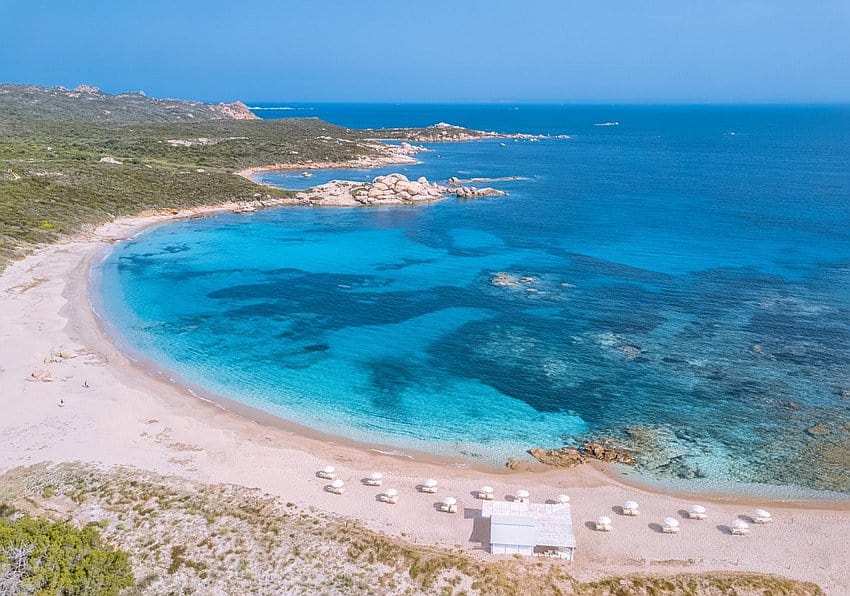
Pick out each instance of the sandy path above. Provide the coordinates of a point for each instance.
(115, 413)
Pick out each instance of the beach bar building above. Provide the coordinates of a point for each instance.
(532, 529)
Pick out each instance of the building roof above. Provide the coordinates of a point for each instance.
(552, 523)
(518, 531)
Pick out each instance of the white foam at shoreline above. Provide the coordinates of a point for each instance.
(276, 108)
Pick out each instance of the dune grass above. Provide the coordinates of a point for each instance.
(180, 533)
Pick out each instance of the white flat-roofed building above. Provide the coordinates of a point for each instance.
(541, 529)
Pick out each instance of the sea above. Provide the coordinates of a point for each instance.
(672, 279)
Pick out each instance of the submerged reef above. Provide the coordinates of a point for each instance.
(822, 461)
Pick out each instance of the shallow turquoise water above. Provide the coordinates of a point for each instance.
(682, 278)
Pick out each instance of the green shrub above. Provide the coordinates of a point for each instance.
(43, 557)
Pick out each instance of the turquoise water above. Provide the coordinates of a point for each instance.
(680, 278)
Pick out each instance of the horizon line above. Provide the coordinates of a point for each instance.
(258, 104)
(513, 102)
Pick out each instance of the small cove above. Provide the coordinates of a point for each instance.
(678, 279)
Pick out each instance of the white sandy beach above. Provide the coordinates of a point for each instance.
(117, 413)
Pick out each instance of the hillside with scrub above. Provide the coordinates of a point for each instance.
(63, 169)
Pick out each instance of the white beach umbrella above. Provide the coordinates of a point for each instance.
(522, 494)
(671, 522)
(740, 524)
(449, 501)
(391, 492)
(762, 513)
(376, 476)
(430, 483)
(562, 499)
(603, 520)
(337, 483)
(329, 469)
(630, 505)
(487, 490)
(697, 509)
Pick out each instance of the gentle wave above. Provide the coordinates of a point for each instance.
(276, 108)
(392, 452)
(495, 179)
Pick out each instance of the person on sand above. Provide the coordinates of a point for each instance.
(61, 403)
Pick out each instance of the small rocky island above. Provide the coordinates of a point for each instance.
(442, 132)
(392, 189)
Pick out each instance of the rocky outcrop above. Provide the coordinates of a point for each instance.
(618, 343)
(607, 452)
(502, 279)
(470, 192)
(442, 132)
(235, 110)
(568, 457)
(518, 465)
(818, 430)
(392, 189)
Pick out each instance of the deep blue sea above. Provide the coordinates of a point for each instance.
(686, 292)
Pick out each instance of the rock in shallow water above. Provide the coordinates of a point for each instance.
(567, 457)
(818, 430)
(387, 190)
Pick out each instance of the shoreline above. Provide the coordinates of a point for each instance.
(107, 333)
(388, 155)
(115, 413)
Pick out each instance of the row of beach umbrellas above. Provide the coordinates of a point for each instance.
(391, 495)
(670, 525)
(604, 523)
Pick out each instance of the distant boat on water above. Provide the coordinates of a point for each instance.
(607, 124)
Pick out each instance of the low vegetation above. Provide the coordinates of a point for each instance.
(184, 537)
(71, 159)
(79, 529)
(58, 175)
(38, 556)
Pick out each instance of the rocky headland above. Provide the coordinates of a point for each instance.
(443, 132)
(392, 189)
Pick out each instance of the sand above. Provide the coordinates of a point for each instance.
(117, 412)
(383, 155)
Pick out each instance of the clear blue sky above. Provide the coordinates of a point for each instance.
(436, 50)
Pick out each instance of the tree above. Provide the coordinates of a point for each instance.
(38, 556)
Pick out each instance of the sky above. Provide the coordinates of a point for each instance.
(570, 51)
